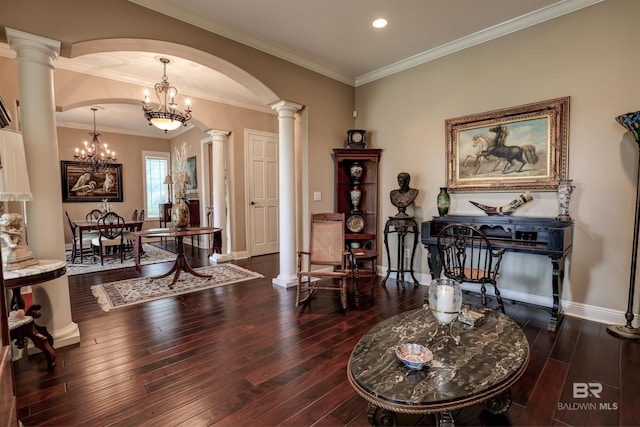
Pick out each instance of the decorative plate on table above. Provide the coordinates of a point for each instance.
(355, 223)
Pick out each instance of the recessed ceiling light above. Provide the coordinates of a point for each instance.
(380, 23)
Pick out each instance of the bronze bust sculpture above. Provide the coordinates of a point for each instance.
(404, 196)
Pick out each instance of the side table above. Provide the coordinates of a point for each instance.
(20, 329)
(401, 226)
(359, 255)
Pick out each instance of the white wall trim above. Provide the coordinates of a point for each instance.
(583, 311)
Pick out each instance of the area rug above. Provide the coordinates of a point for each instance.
(135, 291)
(152, 255)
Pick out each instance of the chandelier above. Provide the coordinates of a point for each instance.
(95, 156)
(165, 117)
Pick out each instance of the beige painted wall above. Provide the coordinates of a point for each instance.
(588, 55)
(128, 150)
(328, 103)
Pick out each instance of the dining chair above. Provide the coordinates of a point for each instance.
(129, 233)
(75, 236)
(111, 236)
(327, 252)
(467, 256)
(94, 215)
(134, 216)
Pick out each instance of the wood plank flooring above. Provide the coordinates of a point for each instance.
(244, 355)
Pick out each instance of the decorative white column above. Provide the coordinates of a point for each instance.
(218, 139)
(35, 56)
(286, 192)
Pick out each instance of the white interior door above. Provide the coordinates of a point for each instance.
(262, 158)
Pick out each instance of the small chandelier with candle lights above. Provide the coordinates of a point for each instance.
(165, 116)
(95, 156)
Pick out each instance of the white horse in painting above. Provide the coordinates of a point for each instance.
(482, 142)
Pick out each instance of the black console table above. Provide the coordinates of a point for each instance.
(538, 236)
(401, 226)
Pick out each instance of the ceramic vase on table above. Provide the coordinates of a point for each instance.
(443, 201)
(564, 194)
(445, 302)
(180, 214)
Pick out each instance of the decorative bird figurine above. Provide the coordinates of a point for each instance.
(507, 209)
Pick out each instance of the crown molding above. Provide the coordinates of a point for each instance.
(507, 27)
(168, 8)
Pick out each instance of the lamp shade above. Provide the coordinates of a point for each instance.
(168, 180)
(14, 180)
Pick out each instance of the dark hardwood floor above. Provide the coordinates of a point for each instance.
(245, 355)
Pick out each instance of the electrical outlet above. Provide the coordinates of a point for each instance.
(317, 196)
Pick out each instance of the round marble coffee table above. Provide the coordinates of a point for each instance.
(480, 369)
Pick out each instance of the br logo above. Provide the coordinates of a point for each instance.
(584, 390)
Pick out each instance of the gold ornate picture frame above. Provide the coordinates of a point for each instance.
(513, 149)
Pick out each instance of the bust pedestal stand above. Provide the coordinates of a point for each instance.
(401, 226)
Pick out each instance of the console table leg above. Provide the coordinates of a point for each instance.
(557, 279)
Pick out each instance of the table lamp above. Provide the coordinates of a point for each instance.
(168, 181)
(14, 186)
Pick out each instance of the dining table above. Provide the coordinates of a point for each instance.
(181, 263)
(84, 225)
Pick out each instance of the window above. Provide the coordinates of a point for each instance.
(155, 169)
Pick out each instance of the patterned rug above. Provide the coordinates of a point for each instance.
(135, 291)
(152, 255)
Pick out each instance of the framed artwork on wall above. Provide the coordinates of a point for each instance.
(513, 149)
(80, 186)
(192, 171)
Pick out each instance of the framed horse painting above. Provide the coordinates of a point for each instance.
(513, 149)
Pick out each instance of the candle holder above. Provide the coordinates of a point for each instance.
(445, 302)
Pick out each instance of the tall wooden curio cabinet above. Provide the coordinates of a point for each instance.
(356, 194)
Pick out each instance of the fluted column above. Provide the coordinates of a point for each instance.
(286, 192)
(218, 140)
(35, 56)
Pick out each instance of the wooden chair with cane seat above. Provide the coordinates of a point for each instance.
(467, 256)
(111, 236)
(327, 251)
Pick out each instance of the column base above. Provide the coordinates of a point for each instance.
(68, 335)
(216, 258)
(285, 281)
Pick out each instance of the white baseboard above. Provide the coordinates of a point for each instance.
(569, 308)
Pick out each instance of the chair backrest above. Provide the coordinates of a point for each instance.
(94, 215)
(467, 255)
(327, 245)
(141, 217)
(72, 225)
(110, 226)
(134, 217)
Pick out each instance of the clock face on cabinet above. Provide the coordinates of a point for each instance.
(355, 138)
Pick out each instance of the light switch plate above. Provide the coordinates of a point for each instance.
(317, 196)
